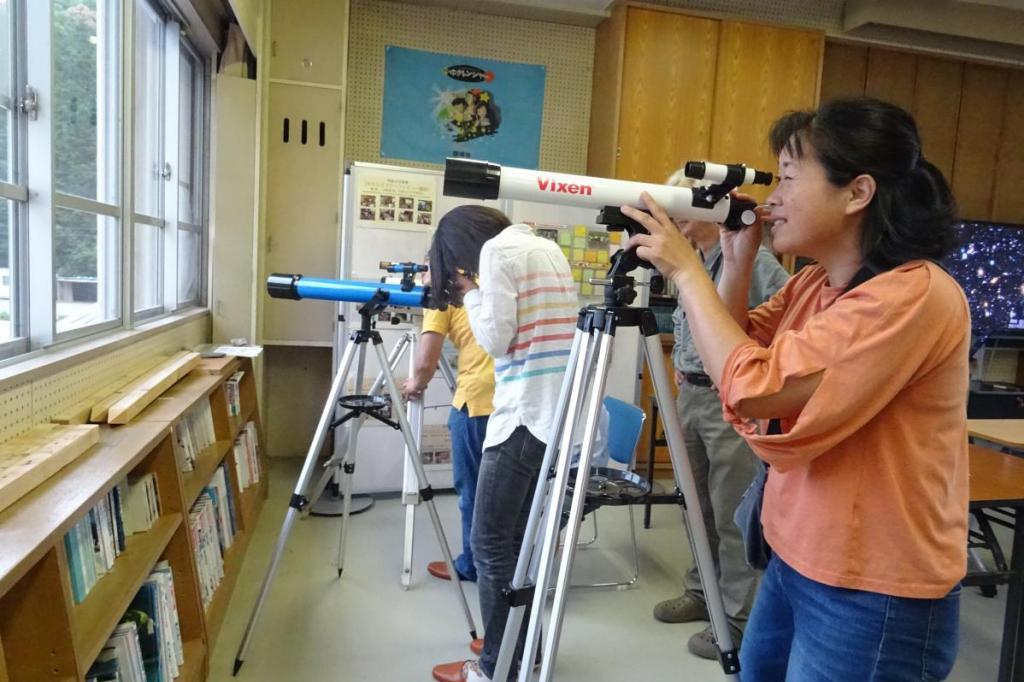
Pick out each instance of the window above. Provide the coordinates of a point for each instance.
(116, 168)
(150, 169)
(191, 124)
(86, 174)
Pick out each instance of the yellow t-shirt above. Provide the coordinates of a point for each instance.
(474, 387)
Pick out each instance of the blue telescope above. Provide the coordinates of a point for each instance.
(297, 287)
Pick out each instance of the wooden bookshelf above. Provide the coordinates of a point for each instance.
(94, 619)
(44, 635)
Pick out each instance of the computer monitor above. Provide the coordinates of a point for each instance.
(989, 264)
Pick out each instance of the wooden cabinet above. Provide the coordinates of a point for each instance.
(970, 117)
(306, 42)
(762, 73)
(670, 87)
(45, 635)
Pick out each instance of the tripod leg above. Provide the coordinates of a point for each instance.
(572, 531)
(410, 493)
(298, 501)
(426, 493)
(410, 531)
(348, 466)
(531, 553)
(694, 516)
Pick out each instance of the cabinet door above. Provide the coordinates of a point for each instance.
(891, 77)
(762, 73)
(937, 109)
(308, 40)
(1008, 202)
(982, 106)
(667, 92)
(844, 71)
(303, 200)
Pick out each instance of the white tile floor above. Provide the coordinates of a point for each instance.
(364, 627)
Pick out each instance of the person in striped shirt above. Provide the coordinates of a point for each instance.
(518, 291)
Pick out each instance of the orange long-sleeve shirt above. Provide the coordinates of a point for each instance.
(868, 487)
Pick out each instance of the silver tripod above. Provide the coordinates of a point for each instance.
(359, 406)
(582, 391)
(410, 492)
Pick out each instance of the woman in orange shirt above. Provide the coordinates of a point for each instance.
(863, 360)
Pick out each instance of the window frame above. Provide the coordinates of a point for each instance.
(15, 192)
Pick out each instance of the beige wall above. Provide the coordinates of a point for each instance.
(566, 51)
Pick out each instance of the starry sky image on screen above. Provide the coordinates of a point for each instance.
(989, 265)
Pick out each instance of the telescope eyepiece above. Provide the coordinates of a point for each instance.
(280, 285)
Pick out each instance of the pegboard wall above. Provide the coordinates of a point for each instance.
(567, 52)
(34, 402)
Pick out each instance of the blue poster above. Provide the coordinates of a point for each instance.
(439, 105)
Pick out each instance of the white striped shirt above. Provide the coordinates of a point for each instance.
(524, 315)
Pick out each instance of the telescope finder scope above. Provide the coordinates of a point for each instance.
(734, 174)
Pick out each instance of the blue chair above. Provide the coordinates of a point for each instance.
(616, 484)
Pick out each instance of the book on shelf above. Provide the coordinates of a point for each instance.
(146, 646)
(247, 456)
(193, 434)
(203, 524)
(232, 391)
(94, 543)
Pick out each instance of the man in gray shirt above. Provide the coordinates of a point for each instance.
(722, 463)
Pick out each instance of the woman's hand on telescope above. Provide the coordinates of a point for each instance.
(739, 247)
(665, 247)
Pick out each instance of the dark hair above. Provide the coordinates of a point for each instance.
(460, 235)
(458, 100)
(911, 215)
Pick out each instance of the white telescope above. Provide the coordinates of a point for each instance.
(473, 179)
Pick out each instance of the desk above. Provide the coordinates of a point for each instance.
(997, 481)
(1006, 432)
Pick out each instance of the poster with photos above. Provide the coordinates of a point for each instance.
(396, 202)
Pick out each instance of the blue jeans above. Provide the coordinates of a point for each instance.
(467, 435)
(508, 476)
(801, 630)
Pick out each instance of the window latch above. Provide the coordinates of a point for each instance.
(29, 103)
(165, 172)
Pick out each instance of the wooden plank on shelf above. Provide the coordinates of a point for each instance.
(94, 619)
(217, 366)
(81, 412)
(180, 398)
(39, 520)
(149, 388)
(29, 459)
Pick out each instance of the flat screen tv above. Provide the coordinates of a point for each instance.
(989, 264)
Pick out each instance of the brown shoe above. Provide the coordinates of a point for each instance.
(476, 646)
(459, 671)
(439, 569)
